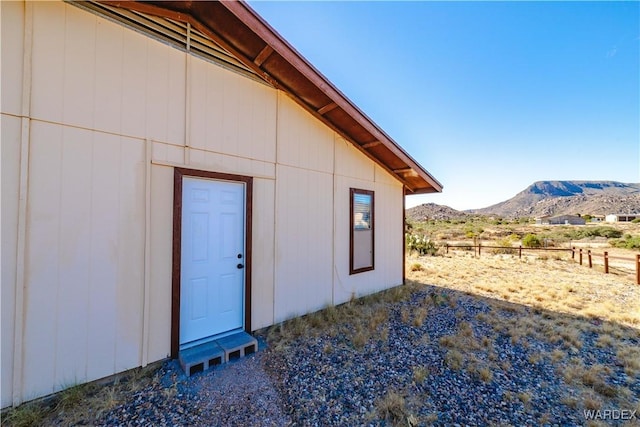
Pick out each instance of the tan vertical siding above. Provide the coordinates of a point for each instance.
(102, 301)
(134, 85)
(303, 141)
(304, 250)
(303, 212)
(78, 78)
(100, 93)
(42, 260)
(11, 39)
(161, 259)
(352, 163)
(10, 127)
(12, 51)
(85, 252)
(263, 256)
(231, 114)
(389, 238)
(109, 75)
(48, 64)
(93, 73)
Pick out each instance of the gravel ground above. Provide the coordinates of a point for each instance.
(324, 380)
(239, 393)
(343, 386)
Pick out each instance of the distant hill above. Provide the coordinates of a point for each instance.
(431, 211)
(568, 197)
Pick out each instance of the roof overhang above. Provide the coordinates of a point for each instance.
(240, 30)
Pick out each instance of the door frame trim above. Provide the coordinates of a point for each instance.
(178, 175)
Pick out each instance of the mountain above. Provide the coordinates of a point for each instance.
(431, 211)
(569, 197)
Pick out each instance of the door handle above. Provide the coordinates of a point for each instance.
(240, 266)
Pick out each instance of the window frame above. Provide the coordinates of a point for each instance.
(352, 229)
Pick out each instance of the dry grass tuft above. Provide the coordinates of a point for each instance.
(630, 359)
(418, 316)
(81, 404)
(420, 373)
(525, 397)
(392, 408)
(26, 415)
(454, 359)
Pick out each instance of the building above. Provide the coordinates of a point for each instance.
(172, 172)
(561, 220)
(621, 217)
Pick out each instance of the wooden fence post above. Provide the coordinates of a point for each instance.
(479, 248)
(580, 256)
(606, 262)
(638, 269)
(589, 257)
(447, 246)
(573, 252)
(520, 252)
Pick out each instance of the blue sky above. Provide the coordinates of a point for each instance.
(488, 96)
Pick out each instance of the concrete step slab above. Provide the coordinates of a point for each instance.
(201, 357)
(237, 345)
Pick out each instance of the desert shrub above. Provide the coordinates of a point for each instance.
(589, 232)
(506, 244)
(421, 244)
(608, 232)
(629, 242)
(471, 231)
(531, 241)
(636, 221)
(416, 266)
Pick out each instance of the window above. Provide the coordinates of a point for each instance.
(361, 231)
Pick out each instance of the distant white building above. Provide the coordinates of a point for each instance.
(621, 217)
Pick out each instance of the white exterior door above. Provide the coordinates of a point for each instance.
(213, 258)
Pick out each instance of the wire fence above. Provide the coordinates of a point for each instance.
(584, 257)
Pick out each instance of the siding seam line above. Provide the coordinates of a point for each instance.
(23, 193)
